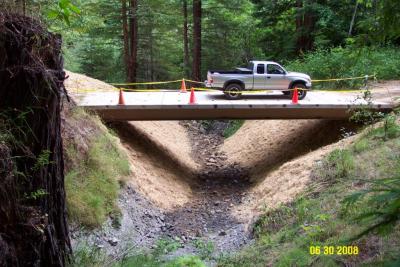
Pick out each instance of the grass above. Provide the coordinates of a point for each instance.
(93, 183)
(86, 256)
(205, 249)
(234, 126)
(322, 217)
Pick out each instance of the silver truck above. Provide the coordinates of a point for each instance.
(259, 75)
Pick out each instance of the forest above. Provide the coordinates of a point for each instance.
(154, 40)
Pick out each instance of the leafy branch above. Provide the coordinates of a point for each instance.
(63, 11)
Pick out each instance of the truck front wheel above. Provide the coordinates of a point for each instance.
(302, 92)
(233, 91)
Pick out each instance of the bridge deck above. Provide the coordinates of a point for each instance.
(213, 105)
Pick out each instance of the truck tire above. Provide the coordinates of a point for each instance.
(302, 93)
(230, 90)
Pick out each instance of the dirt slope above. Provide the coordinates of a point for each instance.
(284, 183)
(260, 146)
(159, 151)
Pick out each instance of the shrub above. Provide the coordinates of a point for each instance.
(338, 165)
(349, 62)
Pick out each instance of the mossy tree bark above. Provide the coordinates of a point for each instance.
(33, 226)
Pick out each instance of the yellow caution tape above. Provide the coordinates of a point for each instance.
(269, 90)
(213, 90)
(344, 79)
(145, 83)
(193, 81)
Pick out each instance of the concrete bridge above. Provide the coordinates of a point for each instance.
(213, 105)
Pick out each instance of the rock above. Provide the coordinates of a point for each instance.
(216, 203)
(159, 220)
(113, 241)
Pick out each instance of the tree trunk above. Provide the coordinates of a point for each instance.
(133, 41)
(197, 13)
(185, 39)
(125, 31)
(152, 76)
(305, 25)
(33, 228)
(353, 19)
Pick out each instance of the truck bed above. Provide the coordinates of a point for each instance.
(236, 71)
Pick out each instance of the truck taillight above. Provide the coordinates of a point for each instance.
(209, 78)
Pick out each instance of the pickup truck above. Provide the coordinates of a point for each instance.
(259, 75)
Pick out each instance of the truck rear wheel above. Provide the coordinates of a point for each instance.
(302, 92)
(233, 91)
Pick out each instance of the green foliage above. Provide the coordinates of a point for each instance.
(186, 261)
(63, 10)
(206, 249)
(233, 127)
(149, 260)
(383, 202)
(228, 42)
(86, 256)
(165, 246)
(381, 26)
(42, 160)
(366, 115)
(35, 194)
(92, 185)
(349, 62)
(338, 165)
(233, 32)
(361, 145)
(295, 257)
(14, 128)
(327, 26)
(139, 260)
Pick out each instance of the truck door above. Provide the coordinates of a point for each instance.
(259, 76)
(276, 78)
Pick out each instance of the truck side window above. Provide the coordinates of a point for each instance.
(274, 69)
(260, 69)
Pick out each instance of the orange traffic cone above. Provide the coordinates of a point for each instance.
(295, 98)
(192, 97)
(183, 86)
(121, 100)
